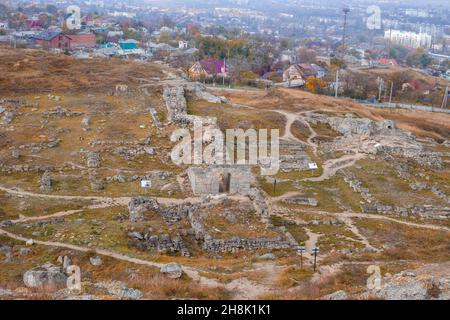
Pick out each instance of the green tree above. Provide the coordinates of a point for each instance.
(419, 58)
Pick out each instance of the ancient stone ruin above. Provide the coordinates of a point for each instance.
(174, 97)
(220, 179)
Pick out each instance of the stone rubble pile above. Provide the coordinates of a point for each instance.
(424, 211)
(161, 243)
(302, 201)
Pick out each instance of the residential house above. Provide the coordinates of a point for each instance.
(86, 40)
(388, 62)
(320, 71)
(130, 47)
(183, 44)
(34, 23)
(208, 68)
(293, 76)
(129, 44)
(4, 25)
(52, 40)
(288, 56)
(297, 74)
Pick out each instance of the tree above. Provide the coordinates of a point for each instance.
(398, 52)
(315, 85)
(337, 63)
(419, 58)
(237, 66)
(307, 55)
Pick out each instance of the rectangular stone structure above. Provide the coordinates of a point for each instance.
(233, 179)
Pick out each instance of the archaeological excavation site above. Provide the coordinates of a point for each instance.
(90, 195)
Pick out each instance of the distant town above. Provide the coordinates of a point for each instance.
(237, 45)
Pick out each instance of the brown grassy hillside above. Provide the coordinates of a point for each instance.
(35, 71)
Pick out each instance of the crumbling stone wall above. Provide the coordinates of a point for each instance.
(137, 208)
(174, 97)
(302, 201)
(216, 179)
(160, 243)
(233, 244)
(425, 211)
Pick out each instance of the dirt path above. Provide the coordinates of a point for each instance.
(241, 288)
(380, 217)
(59, 214)
(332, 166)
(290, 119)
(107, 201)
(310, 244)
(191, 272)
(350, 224)
(288, 135)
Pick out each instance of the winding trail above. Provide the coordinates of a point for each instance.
(361, 238)
(290, 119)
(191, 272)
(310, 244)
(379, 217)
(331, 167)
(107, 201)
(242, 288)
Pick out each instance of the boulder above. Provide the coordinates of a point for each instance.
(267, 256)
(338, 295)
(46, 275)
(120, 290)
(172, 270)
(96, 261)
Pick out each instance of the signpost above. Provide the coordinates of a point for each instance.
(146, 184)
(312, 166)
(315, 251)
(301, 250)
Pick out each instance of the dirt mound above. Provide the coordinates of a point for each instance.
(35, 71)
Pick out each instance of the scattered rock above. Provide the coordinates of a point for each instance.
(338, 295)
(46, 275)
(267, 256)
(96, 261)
(120, 290)
(172, 270)
(139, 206)
(46, 183)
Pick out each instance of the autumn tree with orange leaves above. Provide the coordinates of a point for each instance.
(315, 85)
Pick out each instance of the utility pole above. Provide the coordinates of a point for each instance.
(229, 76)
(336, 84)
(379, 89)
(346, 11)
(390, 40)
(445, 98)
(224, 71)
(390, 95)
